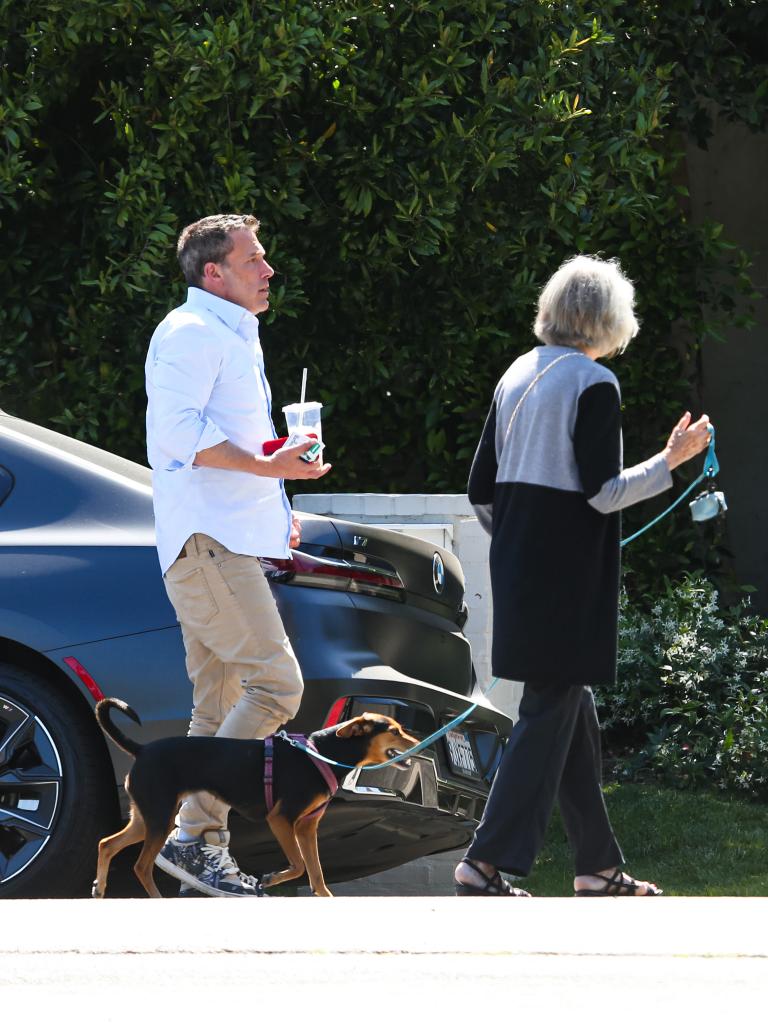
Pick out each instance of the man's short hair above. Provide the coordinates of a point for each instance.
(209, 241)
(587, 302)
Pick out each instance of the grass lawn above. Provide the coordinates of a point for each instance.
(689, 843)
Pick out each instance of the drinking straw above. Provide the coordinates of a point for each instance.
(303, 394)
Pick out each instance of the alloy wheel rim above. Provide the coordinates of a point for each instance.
(31, 779)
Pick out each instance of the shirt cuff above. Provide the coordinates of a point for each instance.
(211, 435)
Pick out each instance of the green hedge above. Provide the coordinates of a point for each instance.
(690, 706)
(419, 168)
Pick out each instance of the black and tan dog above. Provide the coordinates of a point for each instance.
(233, 770)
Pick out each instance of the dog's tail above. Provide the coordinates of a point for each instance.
(104, 718)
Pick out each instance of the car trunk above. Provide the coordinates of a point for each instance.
(432, 577)
(418, 588)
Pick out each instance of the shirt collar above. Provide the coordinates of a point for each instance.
(229, 312)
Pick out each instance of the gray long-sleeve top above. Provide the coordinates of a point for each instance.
(547, 482)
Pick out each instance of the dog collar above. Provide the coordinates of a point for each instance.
(325, 770)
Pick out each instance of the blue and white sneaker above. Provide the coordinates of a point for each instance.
(187, 892)
(206, 866)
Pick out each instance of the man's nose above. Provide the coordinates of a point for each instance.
(267, 271)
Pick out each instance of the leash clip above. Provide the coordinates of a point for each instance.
(283, 735)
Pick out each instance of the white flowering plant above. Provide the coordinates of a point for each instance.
(690, 705)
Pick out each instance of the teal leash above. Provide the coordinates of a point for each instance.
(710, 470)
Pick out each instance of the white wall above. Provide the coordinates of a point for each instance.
(445, 520)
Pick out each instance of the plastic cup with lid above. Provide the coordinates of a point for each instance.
(303, 419)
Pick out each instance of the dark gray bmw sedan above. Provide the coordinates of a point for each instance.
(83, 614)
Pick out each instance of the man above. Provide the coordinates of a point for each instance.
(220, 504)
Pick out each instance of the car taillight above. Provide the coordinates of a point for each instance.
(335, 574)
(336, 714)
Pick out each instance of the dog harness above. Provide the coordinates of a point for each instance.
(325, 770)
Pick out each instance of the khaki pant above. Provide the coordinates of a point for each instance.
(246, 680)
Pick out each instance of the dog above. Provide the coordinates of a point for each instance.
(167, 770)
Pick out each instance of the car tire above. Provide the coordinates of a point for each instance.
(57, 796)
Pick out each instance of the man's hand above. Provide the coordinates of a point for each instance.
(295, 538)
(286, 464)
(687, 440)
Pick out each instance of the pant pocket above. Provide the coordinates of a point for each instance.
(192, 598)
(244, 579)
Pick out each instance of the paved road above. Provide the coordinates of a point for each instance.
(386, 959)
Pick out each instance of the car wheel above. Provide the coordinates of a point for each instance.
(56, 796)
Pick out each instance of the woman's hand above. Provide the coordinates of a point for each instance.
(687, 440)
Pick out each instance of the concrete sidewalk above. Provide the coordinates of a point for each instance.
(128, 960)
(542, 927)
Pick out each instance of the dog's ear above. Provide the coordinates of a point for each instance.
(363, 725)
(354, 727)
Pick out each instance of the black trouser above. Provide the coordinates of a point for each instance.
(552, 754)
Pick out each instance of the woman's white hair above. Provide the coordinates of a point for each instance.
(587, 303)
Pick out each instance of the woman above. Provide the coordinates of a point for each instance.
(547, 483)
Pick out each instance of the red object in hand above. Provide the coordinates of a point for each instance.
(270, 447)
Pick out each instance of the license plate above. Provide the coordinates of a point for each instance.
(461, 754)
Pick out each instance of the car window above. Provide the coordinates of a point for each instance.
(6, 483)
(60, 483)
(71, 446)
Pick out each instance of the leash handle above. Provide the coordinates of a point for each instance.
(711, 465)
(709, 472)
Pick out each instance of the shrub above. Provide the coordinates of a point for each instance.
(420, 167)
(691, 703)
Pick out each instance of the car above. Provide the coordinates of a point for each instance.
(375, 619)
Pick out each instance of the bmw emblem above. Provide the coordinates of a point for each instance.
(438, 574)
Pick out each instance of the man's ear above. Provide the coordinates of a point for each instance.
(211, 272)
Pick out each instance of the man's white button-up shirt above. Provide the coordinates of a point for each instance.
(206, 384)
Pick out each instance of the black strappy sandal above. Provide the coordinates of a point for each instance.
(616, 886)
(493, 886)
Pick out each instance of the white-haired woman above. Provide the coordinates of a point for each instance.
(547, 483)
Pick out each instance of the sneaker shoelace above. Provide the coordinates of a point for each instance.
(222, 859)
(219, 857)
